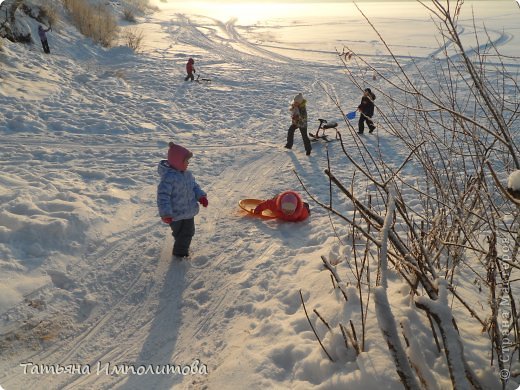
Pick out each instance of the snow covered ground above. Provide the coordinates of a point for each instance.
(85, 268)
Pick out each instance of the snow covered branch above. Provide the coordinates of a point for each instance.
(383, 253)
(384, 314)
(462, 377)
(457, 126)
(388, 327)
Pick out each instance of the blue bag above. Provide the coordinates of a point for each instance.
(351, 115)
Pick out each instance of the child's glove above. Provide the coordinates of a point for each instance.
(167, 220)
(203, 201)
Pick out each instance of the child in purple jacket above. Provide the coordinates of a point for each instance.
(43, 38)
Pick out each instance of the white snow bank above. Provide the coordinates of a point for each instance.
(41, 225)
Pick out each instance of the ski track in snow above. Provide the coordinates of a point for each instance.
(123, 299)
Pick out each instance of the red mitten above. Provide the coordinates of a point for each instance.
(167, 220)
(203, 201)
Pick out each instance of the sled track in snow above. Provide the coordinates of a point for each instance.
(149, 146)
(134, 330)
(230, 28)
(70, 349)
(217, 284)
(227, 252)
(189, 32)
(239, 181)
(228, 48)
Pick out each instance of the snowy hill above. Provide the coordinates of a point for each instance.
(88, 284)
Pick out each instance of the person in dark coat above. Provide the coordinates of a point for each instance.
(190, 69)
(299, 121)
(366, 109)
(43, 38)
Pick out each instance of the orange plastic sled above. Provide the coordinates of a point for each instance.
(250, 204)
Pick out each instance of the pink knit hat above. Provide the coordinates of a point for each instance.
(178, 156)
(288, 203)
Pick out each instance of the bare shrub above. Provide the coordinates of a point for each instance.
(94, 21)
(139, 6)
(50, 10)
(453, 222)
(129, 14)
(133, 39)
(133, 8)
(45, 13)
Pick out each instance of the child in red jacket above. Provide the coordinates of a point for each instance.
(190, 69)
(287, 206)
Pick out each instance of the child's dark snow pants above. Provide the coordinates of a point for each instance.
(45, 46)
(183, 231)
(290, 138)
(368, 120)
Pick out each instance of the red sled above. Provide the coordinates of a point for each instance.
(249, 205)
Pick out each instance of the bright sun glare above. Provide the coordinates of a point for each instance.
(250, 12)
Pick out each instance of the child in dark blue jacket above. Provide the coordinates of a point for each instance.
(366, 109)
(177, 197)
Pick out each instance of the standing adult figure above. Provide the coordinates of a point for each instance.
(299, 121)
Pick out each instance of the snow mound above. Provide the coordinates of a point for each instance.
(513, 183)
(120, 51)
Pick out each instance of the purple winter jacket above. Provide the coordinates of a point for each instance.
(41, 33)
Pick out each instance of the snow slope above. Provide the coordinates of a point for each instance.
(87, 276)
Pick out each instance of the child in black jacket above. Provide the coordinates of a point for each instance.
(366, 109)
